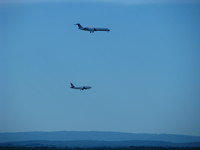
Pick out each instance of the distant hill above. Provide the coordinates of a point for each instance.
(91, 139)
(85, 144)
(95, 136)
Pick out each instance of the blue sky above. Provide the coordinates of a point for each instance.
(144, 72)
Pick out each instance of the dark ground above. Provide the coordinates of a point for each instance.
(106, 148)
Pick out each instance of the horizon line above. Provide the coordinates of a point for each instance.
(101, 131)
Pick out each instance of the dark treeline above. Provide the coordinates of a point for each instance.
(102, 148)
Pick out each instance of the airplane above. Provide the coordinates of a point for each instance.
(80, 88)
(91, 29)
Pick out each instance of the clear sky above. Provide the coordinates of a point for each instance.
(145, 72)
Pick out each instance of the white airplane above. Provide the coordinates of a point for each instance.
(81, 87)
(91, 29)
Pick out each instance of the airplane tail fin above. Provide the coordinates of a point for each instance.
(79, 25)
(72, 86)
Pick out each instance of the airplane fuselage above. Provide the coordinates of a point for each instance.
(95, 29)
(91, 30)
(81, 87)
